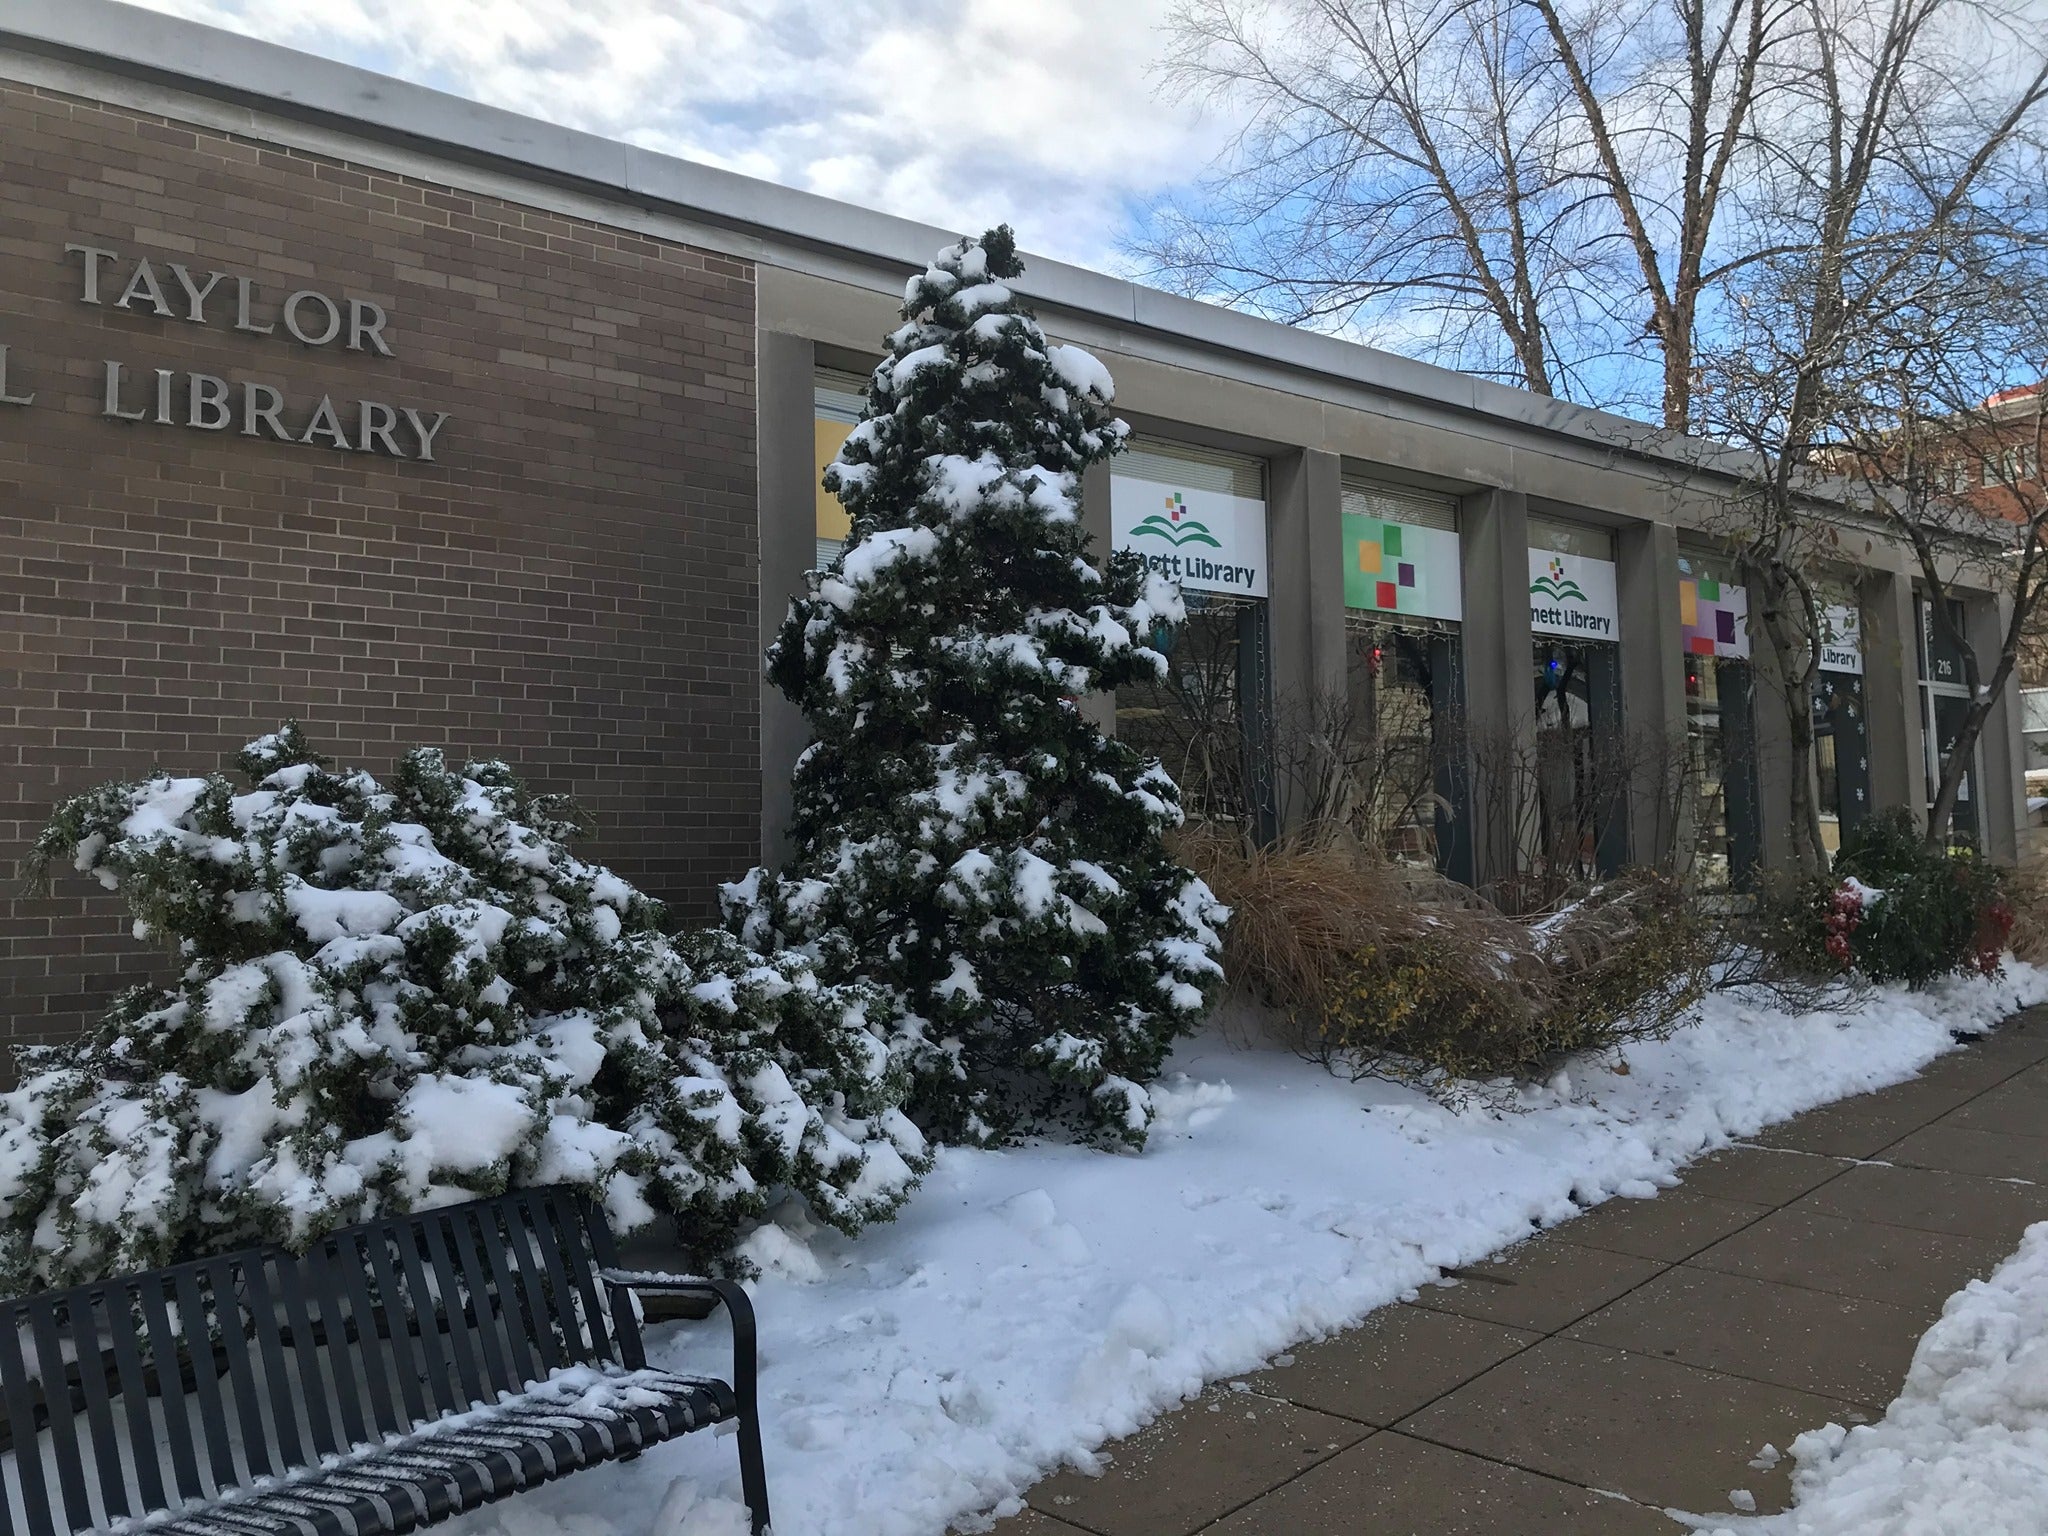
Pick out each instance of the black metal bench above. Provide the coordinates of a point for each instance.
(399, 1373)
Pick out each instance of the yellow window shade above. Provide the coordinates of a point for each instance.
(832, 519)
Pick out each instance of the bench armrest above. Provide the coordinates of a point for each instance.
(739, 1311)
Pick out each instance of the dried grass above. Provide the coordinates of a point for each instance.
(1378, 969)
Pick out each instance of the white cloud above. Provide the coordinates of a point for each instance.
(960, 112)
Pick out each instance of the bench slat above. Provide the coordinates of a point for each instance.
(142, 1434)
(560, 1320)
(571, 1221)
(225, 1297)
(83, 1321)
(314, 1388)
(463, 1343)
(213, 1413)
(21, 1411)
(163, 1349)
(510, 1291)
(505, 1221)
(501, 1371)
(325, 1286)
(267, 1323)
(42, 1326)
(386, 1413)
(434, 1327)
(407, 1360)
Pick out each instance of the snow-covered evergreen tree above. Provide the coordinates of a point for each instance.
(396, 998)
(965, 837)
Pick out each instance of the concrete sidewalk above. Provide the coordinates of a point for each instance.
(1630, 1360)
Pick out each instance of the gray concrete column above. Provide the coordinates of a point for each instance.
(1891, 693)
(1304, 612)
(786, 447)
(1653, 694)
(1500, 715)
(1099, 707)
(2001, 749)
(1773, 753)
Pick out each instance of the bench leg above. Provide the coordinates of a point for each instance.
(753, 1470)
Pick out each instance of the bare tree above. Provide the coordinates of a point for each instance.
(1902, 170)
(1955, 464)
(1732, 198)
(1404, 171)
(1530, 187)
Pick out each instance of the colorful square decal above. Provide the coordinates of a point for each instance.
(1396, 569)
(1712, 616)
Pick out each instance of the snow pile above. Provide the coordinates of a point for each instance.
(1963, 1450)
(395, 998)
(1031, 1304)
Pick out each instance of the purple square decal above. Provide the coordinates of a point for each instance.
(1724, 626)
(1407, 574)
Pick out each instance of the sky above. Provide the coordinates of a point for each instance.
(962, 113)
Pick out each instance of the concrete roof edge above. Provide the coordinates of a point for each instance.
(212, 62)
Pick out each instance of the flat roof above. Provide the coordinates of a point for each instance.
(265, 78)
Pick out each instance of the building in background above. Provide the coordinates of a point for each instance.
(330, 397)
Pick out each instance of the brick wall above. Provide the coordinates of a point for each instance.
(569, 585)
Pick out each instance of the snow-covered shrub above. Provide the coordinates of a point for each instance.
(965, 836)
(1892, 909)
(391, 998)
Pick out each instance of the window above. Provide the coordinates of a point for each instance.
(1398, 785)
(1198, 516)
(838, 399)
(1720, 720)
(1571, 538)
(1944, 701)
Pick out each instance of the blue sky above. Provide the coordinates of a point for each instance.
(964, 113)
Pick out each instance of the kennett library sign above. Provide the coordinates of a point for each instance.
(207, 402)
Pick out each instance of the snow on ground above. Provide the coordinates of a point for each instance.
(1963, 1450)
(1031, 1304)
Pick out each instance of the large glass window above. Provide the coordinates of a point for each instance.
(1206, 719)
(1841, 740)
(1575, 797)
(1944, 701)
(1198, 516)
(1720, 720)
(1721, 740)
(1841, 751)
(1402, 787)
(1400, 784)
(1566, 806)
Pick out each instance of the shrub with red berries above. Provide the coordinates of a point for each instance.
(1896, 910)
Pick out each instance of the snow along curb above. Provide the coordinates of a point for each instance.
(1963, 1449)
(1033, 1304)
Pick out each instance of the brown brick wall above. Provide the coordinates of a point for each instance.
(570, 586)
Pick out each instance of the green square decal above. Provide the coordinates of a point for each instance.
(1390, 540)
(1710, 589)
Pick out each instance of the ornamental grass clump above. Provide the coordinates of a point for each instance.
(1377, 969)
(391, 998)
